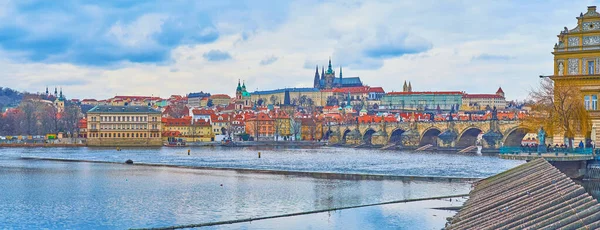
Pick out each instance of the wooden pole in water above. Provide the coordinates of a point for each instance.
(188, 152)
(258, 154)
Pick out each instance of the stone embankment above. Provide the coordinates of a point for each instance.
(534, 195)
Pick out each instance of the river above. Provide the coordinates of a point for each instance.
(54, 194)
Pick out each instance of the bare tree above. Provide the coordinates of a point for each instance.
(274, 99)
(178, 110)
(295, 126)
(560, 109)
(70, 119)
(50, 119)
(30, 119)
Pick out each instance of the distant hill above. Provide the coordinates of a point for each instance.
(9, 97)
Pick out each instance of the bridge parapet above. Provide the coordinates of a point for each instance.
(421, 133)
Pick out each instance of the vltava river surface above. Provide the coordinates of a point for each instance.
(82, 195)
(337, 160)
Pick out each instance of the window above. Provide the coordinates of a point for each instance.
(594, 102)
(586, 100)
(590, 67)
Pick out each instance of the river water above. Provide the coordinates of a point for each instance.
(85, 195)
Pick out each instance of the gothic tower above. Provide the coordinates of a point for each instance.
(329, 76)
(409, 87)
(405, 87)
(317, 82)
(340, 83)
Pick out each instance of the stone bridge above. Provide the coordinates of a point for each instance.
(454, 134)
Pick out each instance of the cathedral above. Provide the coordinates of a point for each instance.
(328, 80)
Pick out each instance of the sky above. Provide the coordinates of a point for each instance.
(99, 49)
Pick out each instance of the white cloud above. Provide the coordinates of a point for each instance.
(448, 36)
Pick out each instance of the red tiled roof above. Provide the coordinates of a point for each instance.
(88, 100)
(202, 112)
(482, 96)
(220, 96)
(376, 90)
(357, 89)
(176, 121)
(427, 92)
(500, 90)
(137, 97)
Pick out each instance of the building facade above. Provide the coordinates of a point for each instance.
(220, 99)
(260, 127)
(474, 102)
(423, 101)
(277, 97)
(194, 99)
(577, 63)
(123, 126)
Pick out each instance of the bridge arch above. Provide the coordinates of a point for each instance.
(345, 135)
(468, 137)
(430, 136)
(396, 136)
(514, 136)
(368, 135)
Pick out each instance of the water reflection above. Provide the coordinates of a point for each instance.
(71, 195)
(412, 215)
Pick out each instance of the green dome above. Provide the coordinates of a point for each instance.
(245, 94)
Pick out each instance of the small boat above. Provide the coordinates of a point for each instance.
(227, 142)
(173, 142)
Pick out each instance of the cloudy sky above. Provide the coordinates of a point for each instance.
(97, 49)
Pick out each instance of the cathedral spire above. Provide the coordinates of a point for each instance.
(405, 87)
(409, 87)
(340, 84)
(55, 91)
(323, 72)
(329, 68)
(317, 82)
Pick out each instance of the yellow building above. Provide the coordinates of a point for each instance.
(123, 126)
(319, 97)
(220, 99)
(476, 102)
(282, 125)
(577, 62)
(183, 128)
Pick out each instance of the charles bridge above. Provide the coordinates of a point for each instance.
(452, 134)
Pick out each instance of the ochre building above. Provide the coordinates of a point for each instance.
(123, 126)
(577, 62)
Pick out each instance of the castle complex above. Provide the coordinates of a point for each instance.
(327, 79)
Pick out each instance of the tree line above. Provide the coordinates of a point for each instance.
(40, 118)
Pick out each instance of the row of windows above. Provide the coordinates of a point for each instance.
(123, 135)
(124, 126)
(124, 118)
